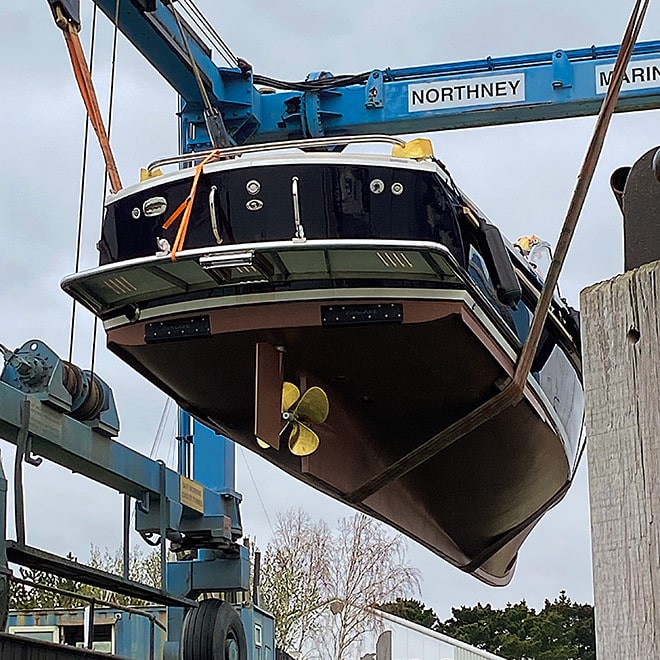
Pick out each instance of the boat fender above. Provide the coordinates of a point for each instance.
(571, 318)
(499, 264)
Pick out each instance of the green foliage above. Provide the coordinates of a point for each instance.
(23, 597)
(562, 630)
(411, 610)
(144, 568)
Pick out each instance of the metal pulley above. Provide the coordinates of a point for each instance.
(86, 390)
(37, 370)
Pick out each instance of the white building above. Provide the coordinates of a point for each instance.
(400, 639)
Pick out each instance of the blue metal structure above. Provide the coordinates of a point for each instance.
(53, 409)
(125, 634)
(524, 88)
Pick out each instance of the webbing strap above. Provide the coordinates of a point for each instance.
(186, 207)
(86, 86)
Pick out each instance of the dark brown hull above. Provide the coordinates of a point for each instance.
(391, 387)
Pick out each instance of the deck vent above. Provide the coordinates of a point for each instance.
(398, 260)
(246, 270)
(120, 285)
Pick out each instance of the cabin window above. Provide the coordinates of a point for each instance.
(41, 633)
(74, 635)
(479, 272)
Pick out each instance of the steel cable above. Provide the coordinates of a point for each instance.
(580, 192)
(111, 98)
(198, 18)
(83, 182)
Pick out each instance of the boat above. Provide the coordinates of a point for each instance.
(334, 310)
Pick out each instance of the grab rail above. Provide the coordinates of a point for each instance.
(310, 143)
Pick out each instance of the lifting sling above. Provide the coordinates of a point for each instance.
(70, 27)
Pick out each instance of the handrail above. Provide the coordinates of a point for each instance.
(309, 143)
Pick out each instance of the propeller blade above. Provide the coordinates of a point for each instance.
(290, 394)
(313, 406)
(302, 441)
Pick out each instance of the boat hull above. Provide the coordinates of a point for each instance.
(376, 280)
(391, 387)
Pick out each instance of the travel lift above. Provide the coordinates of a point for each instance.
(51, 409)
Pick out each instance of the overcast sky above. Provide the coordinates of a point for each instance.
(521, 176)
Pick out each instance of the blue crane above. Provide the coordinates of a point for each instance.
(255, 108)
(224, 106)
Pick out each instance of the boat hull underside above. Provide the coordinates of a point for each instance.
(472, 503)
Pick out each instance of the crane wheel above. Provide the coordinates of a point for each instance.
(213, 631)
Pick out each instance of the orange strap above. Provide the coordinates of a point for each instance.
(86, 86)
(179, 210)
(186, 207)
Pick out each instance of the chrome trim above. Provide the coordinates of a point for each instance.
(307, 143)
(311, 244)
(299, 234)
(214, 217)
(234, 259)
(273, 159)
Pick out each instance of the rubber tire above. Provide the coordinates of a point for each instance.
(228, 627)
(208, 627)
(197, 634)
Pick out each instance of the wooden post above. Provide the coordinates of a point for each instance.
(621, 349)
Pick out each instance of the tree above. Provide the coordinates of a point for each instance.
(411, 610)
(144, 568)
(293, 573)
(324, 587)
(571, 624)
(24, 597)
(562, 630)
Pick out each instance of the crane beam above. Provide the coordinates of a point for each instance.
(483, 92)
(156, 35)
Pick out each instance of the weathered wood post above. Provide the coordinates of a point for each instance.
(621, 349)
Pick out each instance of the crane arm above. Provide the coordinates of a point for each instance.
(484, 92)
(152, 28)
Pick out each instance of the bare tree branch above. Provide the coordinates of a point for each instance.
(323, 587)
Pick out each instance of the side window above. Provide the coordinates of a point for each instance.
(43, 633)
(479, 273)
